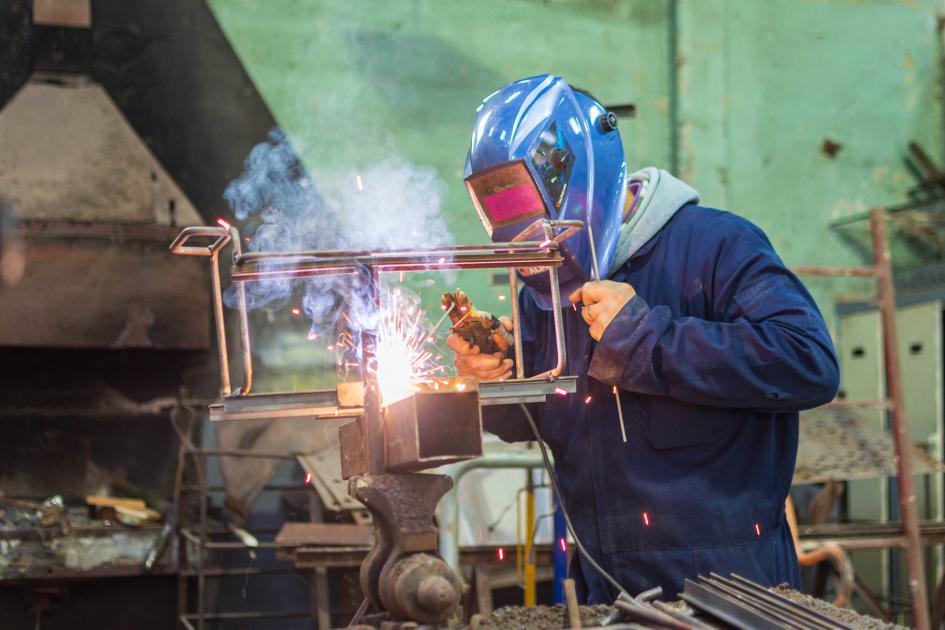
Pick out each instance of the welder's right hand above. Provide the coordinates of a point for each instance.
(483, 367)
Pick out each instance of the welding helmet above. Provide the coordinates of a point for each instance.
(541, 149)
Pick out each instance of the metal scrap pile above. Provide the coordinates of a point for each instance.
(707, 604)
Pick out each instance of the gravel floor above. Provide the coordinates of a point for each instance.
(554, 617)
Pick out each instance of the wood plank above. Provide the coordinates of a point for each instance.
(324, 534)
(100, 501)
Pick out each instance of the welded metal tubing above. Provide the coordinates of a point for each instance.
(245, 343)
(267, 265)
(900, 430)
(448, 510)
(178, 244)
(516, 324)
(220, 323)
(559, 325)
(372, 423)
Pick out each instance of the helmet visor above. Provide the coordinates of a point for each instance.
(505, 195)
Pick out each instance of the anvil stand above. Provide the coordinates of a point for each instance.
(402, 575)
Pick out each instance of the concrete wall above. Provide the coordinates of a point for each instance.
(756, 89)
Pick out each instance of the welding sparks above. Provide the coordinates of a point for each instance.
(563, 544)
(312, 336)
(646, 519)
(545, 243)
(757, 529)
(223, 223)
(308, 477)
(403, 353)
(296, 311)
(360, 183)
(442, 260)
(502, 297)
(561, 391)
(587, 400)
(460, 386)
(501, 553)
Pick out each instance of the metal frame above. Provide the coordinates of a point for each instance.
(881, 271)
(284, 265)
(198, 539)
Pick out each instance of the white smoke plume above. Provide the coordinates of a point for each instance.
(391, 204)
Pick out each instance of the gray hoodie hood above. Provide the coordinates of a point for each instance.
(660, 196)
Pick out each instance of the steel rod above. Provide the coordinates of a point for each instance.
(903, 447)
(860, 404)
(372, 425)
(516, 324)
(220, 324)
(841, 272)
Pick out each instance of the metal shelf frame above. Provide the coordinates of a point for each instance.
(908, 536)
(199, 538)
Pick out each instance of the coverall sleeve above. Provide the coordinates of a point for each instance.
(766, 346)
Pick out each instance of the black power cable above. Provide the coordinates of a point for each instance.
(564, 510)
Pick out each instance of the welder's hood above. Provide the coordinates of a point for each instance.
(540, 149)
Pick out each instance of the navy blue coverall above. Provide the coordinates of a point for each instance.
(713, 358)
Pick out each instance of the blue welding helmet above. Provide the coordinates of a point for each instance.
(543, 150)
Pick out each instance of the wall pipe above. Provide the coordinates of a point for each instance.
(448, 510)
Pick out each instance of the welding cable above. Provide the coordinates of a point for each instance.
(491, 527)
(564, 510)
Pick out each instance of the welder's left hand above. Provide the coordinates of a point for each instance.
(601, 303)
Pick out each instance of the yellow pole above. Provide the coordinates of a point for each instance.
(531, 582)
(519, 541)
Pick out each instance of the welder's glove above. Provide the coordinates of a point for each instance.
(601, 303)
(483, 367)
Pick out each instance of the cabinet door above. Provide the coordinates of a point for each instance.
(862, 378)
(919, 332)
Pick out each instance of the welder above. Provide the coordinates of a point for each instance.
(683, 315)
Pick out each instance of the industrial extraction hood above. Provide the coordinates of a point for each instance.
(95, 211)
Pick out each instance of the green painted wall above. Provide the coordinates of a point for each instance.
(763, 84)
(756, 88)
(353, 81)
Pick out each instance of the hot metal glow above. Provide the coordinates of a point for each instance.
(296, 311)
(561, 391)
(404, 353)
(223, 223)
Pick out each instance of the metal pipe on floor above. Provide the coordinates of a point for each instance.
(448, 511)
